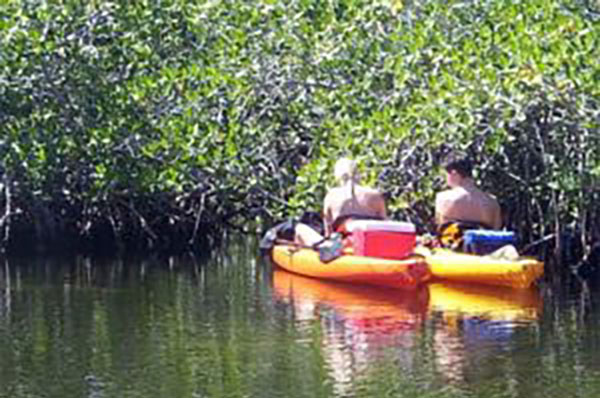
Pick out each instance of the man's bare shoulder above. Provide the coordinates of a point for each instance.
(449, 194)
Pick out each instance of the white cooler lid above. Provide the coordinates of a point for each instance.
(378, 225)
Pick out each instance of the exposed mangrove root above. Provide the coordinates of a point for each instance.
(199, 212)
(5, 219)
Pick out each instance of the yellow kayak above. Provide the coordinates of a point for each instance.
(405, 274)
(447, 265)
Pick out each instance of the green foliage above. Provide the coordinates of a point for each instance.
(203, 113)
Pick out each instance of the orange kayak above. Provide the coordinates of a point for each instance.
(404, 274)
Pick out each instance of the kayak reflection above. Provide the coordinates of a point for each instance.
(373, 308)
(453, 327)
(490, 302)
(359, 324)
(473, 323)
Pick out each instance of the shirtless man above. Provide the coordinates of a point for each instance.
(464, 201)
(347, 201)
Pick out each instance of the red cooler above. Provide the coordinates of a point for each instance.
(386, 239)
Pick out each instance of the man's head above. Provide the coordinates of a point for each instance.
(345, 170)
(457, 169)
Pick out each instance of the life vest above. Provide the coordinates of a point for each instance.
(451, 233)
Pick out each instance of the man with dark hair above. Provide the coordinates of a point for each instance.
(464, 204)
(461, 165)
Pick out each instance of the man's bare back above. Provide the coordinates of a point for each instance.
(467, 204)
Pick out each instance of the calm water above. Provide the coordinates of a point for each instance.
(231, 326)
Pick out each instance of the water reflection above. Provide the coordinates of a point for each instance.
(123, 328)
(4, 292)
(360, 325)
(472, 323)
(230, 326)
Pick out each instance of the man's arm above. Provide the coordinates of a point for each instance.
(439, 208)
(327, 216)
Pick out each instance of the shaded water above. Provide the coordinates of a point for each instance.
(232, 326)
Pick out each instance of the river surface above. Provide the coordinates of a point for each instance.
(231, 325)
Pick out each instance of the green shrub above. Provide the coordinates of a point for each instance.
(168, 121)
